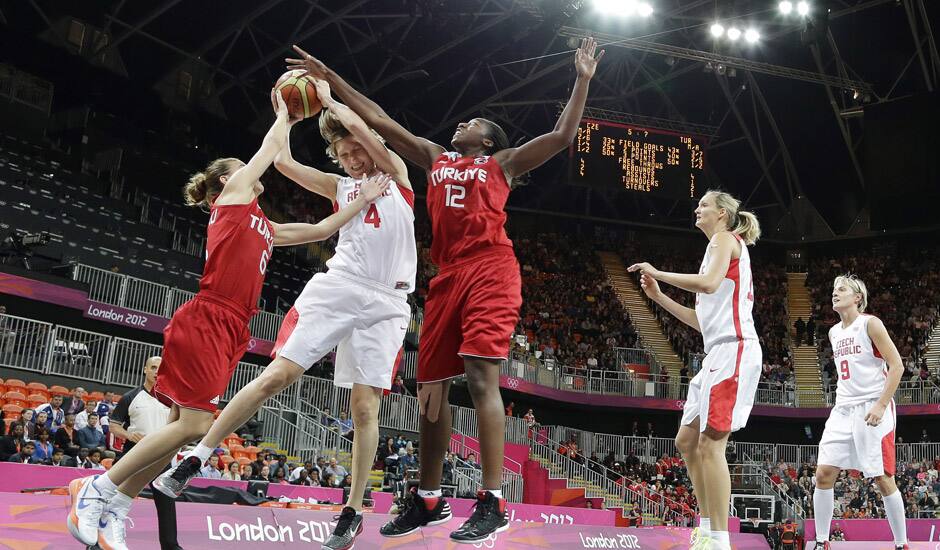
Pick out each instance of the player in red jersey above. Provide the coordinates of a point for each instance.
(473, 304)
(209, 334)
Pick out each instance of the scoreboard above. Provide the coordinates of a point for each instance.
(639, 160)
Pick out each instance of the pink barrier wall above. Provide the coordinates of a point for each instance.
(878, 529)
(516, 453)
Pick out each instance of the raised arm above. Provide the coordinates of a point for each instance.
(418, 151)
(677, 310)
(519, 160)
(309, 178)
(287, 234)
(722, 248)
(385, 160)
(238, 188)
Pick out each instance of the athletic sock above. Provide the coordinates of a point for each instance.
(120, 504)
(705, 526)
(424, 493)
(202, 452)
(498, 493)
(894, 509)
(722, 539)
(823, 505)
(105, 486)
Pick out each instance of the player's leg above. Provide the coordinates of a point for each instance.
(687, 444)
(716, 480)
(824, 501)
(483, 385)
(836, 451)
(364, 404)
(894, 508)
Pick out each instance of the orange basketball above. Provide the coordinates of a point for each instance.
(299, 94)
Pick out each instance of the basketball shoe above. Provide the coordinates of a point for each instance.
(87, 507)
(173, 481)
(489, 517)
(415, 512)
(111, 529)
(348, 527)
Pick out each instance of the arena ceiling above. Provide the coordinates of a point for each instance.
(787, 112)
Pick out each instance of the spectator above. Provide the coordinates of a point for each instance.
(389, 449)
(233, 471)
(810, 331)
(345, 424)
(43, 447)
(398, 386)
(512, 405)
(75, 403)
(924, 438)
(337, 470)
(302, 479)
(12, 443)
(37, 421)
(264, 474)
(90, 437)
(800, 327)
(211, 468)
(94, 459)
(64, 437)
(55, 413)
(314, 477)
(407, 460)
(472, 461)
(28, 420)
(277, 465)
(327, 480)
(247, 471)
(25, 455)
(138, 413)
(295, 473)
(81, 419)
(59, 458)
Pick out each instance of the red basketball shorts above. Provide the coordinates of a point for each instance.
(201, 348)
(471, 311)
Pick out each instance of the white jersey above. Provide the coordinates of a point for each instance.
(861, 370)
(379, 243)
(726, 315)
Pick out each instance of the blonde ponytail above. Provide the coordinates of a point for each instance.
(203, 187)
(740, 222)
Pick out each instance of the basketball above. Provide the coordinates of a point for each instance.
(299, 94)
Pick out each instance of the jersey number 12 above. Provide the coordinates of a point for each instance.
(455, 194)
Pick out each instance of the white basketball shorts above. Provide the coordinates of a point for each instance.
(722, 393)
(365, 322)
(851, 444)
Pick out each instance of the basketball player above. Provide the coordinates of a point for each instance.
(358, 306)
(473, 303)
(209, 334)
(859, 434)
(722, 393)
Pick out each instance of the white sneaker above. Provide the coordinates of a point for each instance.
(86, 509)
(700, 541)
(111, 533)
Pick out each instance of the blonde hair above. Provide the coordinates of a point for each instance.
(857, 286)
(203, 187)
(740, 222)
(332, 131)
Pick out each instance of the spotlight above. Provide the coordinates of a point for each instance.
(645, 9)
(624, 8)
(734, 34)
(717, 30)
(854, 94)
(786, 7)
(670, 60)
(708, 67)
(802, 8)
(721, 69)
(752, 36)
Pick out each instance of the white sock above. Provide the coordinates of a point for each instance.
(105, 486)
(120, 504)
(202, 452)
(722, 539)
(498, 493)
(423, 493)
(894, 509)
(705, 526)
(823, 504)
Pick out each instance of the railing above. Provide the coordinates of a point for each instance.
(154, 298)
(24, 343)
(469, 480)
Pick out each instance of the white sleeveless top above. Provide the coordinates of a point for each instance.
(860, 369)
(725, 316)
(379, 243)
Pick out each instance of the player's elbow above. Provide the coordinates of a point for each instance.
(710, 287)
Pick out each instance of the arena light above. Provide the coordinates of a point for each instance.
(752, 36)
(802, 8)
(785, 7)
(734, 33)
(645, 9)
(717, 30)
(624, 8)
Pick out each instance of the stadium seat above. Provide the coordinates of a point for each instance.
(59, 390)
(252, 452)
(226, 459)
(15, 398)
(243, 461)
(232, 439)
(14, 383)
(96, 396)
(12, 411)
(36, 400)
(37, 387)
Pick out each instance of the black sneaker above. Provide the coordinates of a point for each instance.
(414, 514)
(348, 527)
(489, 517)
(172, 482)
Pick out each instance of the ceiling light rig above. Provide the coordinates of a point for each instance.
(733, 33)
(624, 8)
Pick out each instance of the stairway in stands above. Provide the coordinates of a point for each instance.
(645, 323)
(933, 349)
(805, 359)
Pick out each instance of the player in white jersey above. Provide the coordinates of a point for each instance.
(359, 306)
(722, 393)
(859, 434)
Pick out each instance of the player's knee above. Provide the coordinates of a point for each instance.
(686, 445)
(273, 380)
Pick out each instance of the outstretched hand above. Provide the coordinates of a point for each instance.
(584, 60)
(375, 187)
(307, 62)
(323, 91)
(650, 286)
(645, 269)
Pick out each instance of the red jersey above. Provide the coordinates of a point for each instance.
(466, 197)
(239, 241)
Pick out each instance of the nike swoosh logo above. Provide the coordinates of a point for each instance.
(102, 524)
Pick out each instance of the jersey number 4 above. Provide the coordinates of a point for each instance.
(372, 217)
(844, 369)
